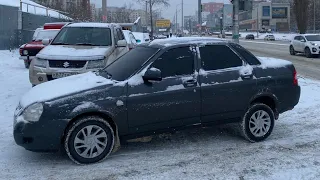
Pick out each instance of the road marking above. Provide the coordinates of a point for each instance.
(265, 43)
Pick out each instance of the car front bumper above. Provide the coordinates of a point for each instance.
(39, 136)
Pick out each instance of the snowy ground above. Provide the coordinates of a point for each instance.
(291, 152)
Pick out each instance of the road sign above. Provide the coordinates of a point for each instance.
(163, 23)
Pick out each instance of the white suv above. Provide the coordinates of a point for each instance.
(78, 48)
(309, 44)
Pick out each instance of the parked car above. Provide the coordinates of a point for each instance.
(154, 88)
(131, 40)
(250, 36)
(78, 48)
(29, 50)
(309, 44)
(141, 37)
(269, 38)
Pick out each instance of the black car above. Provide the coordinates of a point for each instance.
(250, 36)
(157, 87)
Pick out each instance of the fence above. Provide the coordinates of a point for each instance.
(17, 27)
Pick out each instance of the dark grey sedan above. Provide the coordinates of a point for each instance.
(157, 87)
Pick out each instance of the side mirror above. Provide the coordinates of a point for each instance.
(46, 42)
(152, 74)
(122, 43)
(302, 40)
(138, 41)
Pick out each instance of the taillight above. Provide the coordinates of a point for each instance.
(295, 78)
(20, 51)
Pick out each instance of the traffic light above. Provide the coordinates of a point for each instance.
(202, 7)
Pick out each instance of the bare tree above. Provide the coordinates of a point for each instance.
(152, 4)
(300, 9)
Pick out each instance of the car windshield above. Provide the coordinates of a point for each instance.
(313, 38)
(46, 34)
(125, 66)
(92, 36)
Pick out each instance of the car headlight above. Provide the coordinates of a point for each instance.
(40, 62)
(94, 64)
(33, 112)
(25, 52)
(314, 44)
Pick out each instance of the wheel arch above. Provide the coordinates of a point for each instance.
(269, 100)
(104, 115)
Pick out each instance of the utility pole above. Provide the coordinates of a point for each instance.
(199, 14)
(235, 33)
(314, 16)
(258, 21)
(147, 13)
(104, 10)
(176, 21)
(182, 26)
(151, 20)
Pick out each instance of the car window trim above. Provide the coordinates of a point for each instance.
(244, 63)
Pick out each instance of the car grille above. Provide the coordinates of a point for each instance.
(66, 64)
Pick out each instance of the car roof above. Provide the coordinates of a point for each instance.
(100, 25)
(163, 43)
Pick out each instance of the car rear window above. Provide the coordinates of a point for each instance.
(246, 55)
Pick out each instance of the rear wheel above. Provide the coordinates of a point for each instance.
(89, 140)
(257, 124)
(292, 51)
(307, 52)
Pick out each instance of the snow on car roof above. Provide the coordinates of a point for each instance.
(100, 25)
(186, 40)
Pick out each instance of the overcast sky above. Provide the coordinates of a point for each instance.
(190, 6)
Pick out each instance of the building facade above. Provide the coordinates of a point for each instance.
(265, 16)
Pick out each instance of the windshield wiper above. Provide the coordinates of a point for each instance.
(60, 43)
(86, 44)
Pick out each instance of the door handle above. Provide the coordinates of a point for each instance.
(247, 76)
(191, 83)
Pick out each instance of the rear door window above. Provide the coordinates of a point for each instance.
(246, 55)
(214, 57)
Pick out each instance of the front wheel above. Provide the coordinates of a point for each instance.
(258, 122)
(26, 64)
(89, 140)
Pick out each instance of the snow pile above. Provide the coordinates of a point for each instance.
(62, 87)
(32, 9)
(187, 40)
(267, 62)
(64, 52)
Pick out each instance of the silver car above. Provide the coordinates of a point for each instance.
(78, 48)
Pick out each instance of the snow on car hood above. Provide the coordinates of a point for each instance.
(67, 52)
(62, 87)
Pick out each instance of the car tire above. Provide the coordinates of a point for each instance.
(258, 122)
(26, 64)
(307, 52)
(85, 146)
(292, 51)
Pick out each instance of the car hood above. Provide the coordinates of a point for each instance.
(63, 87)
(67, 52)
(34, 45)
(316, 42)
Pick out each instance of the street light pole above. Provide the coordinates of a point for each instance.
(235, 33)
(314, 16)
(221, 28)
(182, 15)
(258, 21)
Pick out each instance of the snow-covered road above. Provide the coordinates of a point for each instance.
(291, 152)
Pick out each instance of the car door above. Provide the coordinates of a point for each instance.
(172, 102)
(121, 50)
(302, 43)
(227, 83)
(295, 43)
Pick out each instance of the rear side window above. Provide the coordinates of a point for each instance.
(246, 55)
(175, 62)
(214, 57)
